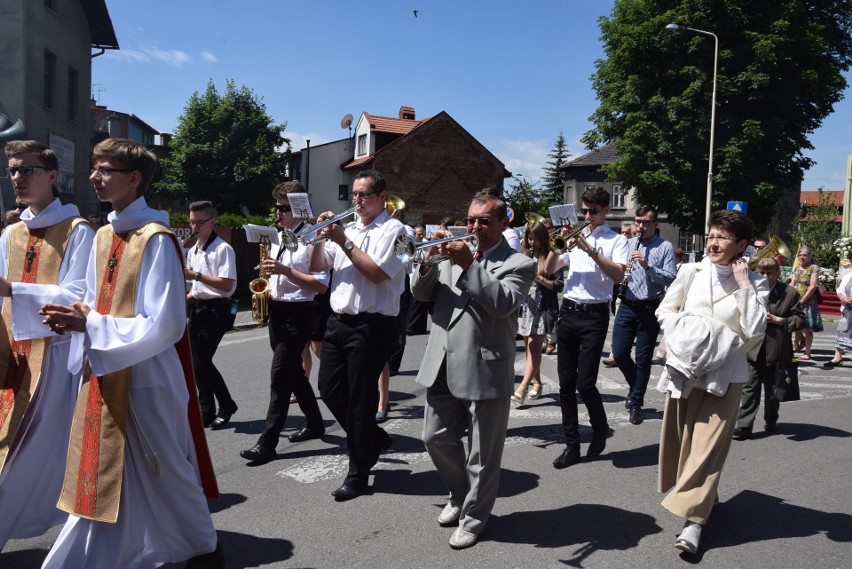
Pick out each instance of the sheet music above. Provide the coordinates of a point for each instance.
(253, 233)
(458, 230)
(301, 204)
(565, 214)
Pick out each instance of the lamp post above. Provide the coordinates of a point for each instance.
(680, 28)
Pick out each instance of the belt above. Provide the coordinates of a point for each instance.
(360, 318)
(641, 303)
(212, 301)
(580, 307)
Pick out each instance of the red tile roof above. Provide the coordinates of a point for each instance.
(812, 197)
(392, 125)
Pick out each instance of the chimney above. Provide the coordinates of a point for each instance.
(406, 113)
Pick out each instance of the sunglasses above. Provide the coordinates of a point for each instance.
(283, 208)
(481, 220)
(592, 211)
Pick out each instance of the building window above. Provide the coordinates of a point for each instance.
(617, 197)
(343, 192)
(362, 144)
(73, 84)
(49, 79)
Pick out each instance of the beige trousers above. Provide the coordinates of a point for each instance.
(694, 443)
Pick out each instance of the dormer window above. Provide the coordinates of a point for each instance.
(362, 144)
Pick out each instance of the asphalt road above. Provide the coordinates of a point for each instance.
(786, 497)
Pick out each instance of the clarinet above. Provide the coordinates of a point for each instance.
(622, 288)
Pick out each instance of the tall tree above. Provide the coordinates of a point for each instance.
(226, 150)
(524, 197)
(818, 229)
(780, 73)
(552, 179)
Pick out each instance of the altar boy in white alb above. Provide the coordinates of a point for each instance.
(42, 259)
(137, 457)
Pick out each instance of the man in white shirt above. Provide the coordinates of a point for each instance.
(365, 289)
(292, 287)
(211, 270)
(596, 262)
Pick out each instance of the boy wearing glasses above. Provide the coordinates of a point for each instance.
(42, 259)
(596, 262)
(137, 457)
(292, 288)
(211, 273)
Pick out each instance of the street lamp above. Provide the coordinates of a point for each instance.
(680, 28)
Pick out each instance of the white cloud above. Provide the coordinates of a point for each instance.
(172, 57)
(209, 57)
(529, 157)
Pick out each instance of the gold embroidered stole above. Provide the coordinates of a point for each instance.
(33, 257)
(95, 466)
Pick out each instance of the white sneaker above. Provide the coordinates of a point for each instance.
(462, 539)
(688, 539)
(449, 515)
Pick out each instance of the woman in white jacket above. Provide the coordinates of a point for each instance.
(713, 316)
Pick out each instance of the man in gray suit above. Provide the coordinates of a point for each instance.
(469, 362)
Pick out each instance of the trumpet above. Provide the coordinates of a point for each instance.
(185, 242)
(562, 243)
(406, 250)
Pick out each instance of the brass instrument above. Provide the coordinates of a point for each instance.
(394, 203)
(291, 239)
(259, 287)
(185, 242)
(559, 244)
(775, 247)
(533, 217)
(406, 250)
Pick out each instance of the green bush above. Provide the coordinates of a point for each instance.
(224, 219)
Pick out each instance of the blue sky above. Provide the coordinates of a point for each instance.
(513, 74)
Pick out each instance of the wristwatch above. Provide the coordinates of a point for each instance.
(348, 246)
(198, 277)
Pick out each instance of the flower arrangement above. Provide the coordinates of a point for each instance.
(826, 278)
(843, 246)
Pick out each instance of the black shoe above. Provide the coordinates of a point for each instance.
(347, 492)
(636, 416)
(598, 444)
(259, 453)
(742, 434)
(569, 457)
(207, 420)
(770, 426)
(387, 444)
(307, 434)
(223, 417)
(213, 560)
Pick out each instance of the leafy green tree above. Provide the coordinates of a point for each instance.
(818, 229)
(552, 179)
(524, 196)
(779, 75)
(226, 150)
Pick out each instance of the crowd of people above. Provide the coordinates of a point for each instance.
(99, 364)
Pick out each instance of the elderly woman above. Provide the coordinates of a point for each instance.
(714, 317)
(843, 339)
(804, 279)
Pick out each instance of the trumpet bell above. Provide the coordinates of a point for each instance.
(558, 244)
(394, 203)
(404, 248)
(533, 217)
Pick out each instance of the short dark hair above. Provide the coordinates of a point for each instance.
(45, 155)
(768, 264)
(203, 205)
(733, 222)
(490, 194)
(379, 185)
(646, 209)
(596, 195)
(290, 187)
(129, 154)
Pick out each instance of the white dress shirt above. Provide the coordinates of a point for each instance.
(586, 282)
(215, 258)
(281, 288)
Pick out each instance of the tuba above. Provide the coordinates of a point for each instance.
(259, 287)
(774, 248)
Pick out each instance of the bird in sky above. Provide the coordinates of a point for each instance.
(415, 12)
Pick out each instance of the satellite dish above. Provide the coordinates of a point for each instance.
(346, 121)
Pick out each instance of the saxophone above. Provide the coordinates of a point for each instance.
(259, 287)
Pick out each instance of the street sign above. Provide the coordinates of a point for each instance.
(741, 207)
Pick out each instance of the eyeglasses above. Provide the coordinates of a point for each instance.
(362, 195)
(592, 211)
(106, 172)
(719, 238)
(199, 222)
(283, 208)
(25, 170)
(643, 221)
(481, 220)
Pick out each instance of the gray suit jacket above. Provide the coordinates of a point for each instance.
(475, 322)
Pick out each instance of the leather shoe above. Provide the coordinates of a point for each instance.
(259, 453)
(689, 538)
(742, 434)
(347, 492)
(207, 420)
(636, 416)
(770, 426)
(569, 457)
(598, 444)
(462, 539)
(449, 515)
(213, 560)
(223, 417)
(306, 434)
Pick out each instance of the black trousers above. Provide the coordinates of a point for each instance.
(580, 338)
(207, 323)
(418, 316)
(401, 320)
(290, 327)
(354, 351)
